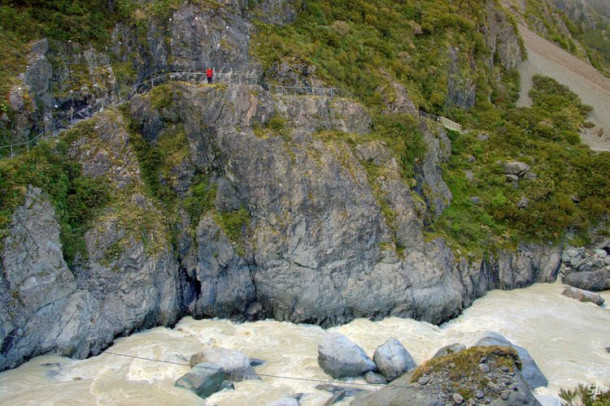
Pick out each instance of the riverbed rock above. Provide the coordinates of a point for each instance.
(340, 358)
(530, 371)
(457, 379)
(583, 295)
(204, 379)
(595, 281)
(374, 378)
(392, 359)
(234, 364)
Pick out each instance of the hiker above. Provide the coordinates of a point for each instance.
(210, 74)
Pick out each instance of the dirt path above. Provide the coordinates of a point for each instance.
(590, 85)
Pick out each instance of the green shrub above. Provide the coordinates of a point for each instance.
(235, 224)
(585, 395)
(76, 198)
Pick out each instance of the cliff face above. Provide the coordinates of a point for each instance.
(256, 205)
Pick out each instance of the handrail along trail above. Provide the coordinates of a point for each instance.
(157, 78)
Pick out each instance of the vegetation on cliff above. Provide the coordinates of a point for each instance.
(436, 51)
(364, 46)
(568, 194)
(77, 198)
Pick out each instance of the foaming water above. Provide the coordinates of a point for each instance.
(565, 337)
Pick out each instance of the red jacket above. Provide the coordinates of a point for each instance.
(210, 73)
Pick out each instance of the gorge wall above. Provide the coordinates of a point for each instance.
(255, 205)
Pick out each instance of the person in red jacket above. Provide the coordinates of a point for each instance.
(210, 74)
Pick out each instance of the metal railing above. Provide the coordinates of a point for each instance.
(305, 90)
(449, 124)
(157, 78)
(125, 95)
(251, 77)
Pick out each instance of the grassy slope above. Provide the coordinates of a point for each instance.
(360, 46)
(586, 41)
(351, 43)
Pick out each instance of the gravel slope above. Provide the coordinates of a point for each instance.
(593, 88)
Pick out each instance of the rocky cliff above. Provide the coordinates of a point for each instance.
(231, 201)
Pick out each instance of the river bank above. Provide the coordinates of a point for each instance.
(565, 337)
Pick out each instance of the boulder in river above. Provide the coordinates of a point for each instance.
(235, 364)
(594, 281)
(204, 379)
(339, 357)
(583, 295)
(530, 371)
(457, 379)
(392, 359)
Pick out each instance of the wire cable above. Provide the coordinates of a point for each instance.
(323, 381)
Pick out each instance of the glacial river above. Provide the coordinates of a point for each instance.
(565, 337)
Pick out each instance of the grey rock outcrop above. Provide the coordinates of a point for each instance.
(530, 371)
(516, 169)
(443, 382)
(583, 295)
(509, 270)
(41, 309)
(204, 379)
(317, 246)
(392, 359)
(430, 183)
(587, 269)
(339, 357)
(226, 285)
(502, 38)
(234, 364)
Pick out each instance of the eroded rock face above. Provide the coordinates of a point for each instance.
(41, 308)
(508, 270)
(317, 246)
(127, 280)
(325, 241)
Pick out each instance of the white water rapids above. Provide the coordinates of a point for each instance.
(565, 337)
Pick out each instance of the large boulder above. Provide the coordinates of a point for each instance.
(530, 371)
(392, 359)
(204, 379)
(233, 363)
(595, 281)
(516, 168)
(459, 379)
(583, 295)
(339, 357)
